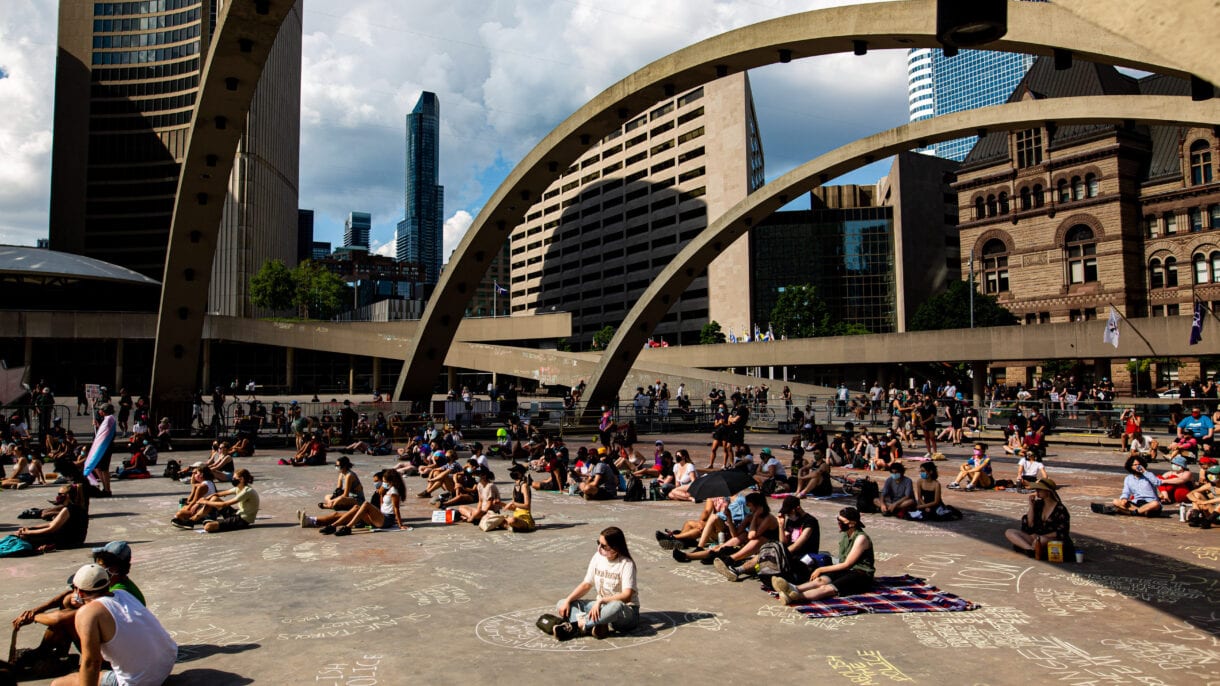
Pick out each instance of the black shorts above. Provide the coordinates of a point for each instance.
(852, 582)
(601, 494)
(231, 523)
(104, 464)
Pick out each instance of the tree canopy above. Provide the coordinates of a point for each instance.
(602, 337)
(272, 287)
(711, 333)
(951, 310)
(801, 312)
(319, 293)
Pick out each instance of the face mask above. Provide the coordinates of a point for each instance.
(1177, 468)
(923, 475)
(978, 452)
(1212, 478)
(1029, 433)
(843, 527)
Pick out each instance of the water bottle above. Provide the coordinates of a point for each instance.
(720, 538)
(1182, 512)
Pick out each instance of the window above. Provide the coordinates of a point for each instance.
(1029, 147)
(1214, 211)
(992, 206)
(1026, 199)
(1080, 249)
(1156, 274)
(1003, 202)
(1039, 195)
(1077, 188)
(1173, 310)
(1064, 192)
(980, 208)
(1215, 260)
(1202, 275)
(1171, 272)
(1196, 219)
(1200, 163)
(1091, 185)
(995, 266)
(1171, 223)
(1151, 227)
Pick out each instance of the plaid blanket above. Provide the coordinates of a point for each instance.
(891, 594)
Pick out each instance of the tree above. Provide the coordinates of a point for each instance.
(951, 310)
(601, 339)
(272, 287)
(711, 333)
(319, 293)
(800, 313)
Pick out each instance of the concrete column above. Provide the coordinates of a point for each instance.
(118, 364)
(351, 374)
(207, 365)
(290, 358)
(376, 373)
(979, 387)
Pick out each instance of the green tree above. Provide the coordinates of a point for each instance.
(272, 287)
(602, 338)
(319, 293)
(800, 313)
(711, 334)
(951, 310)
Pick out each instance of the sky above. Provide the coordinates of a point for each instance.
(506, 72)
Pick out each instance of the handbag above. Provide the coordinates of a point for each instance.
(492, 521)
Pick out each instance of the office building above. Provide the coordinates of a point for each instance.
(356, 230)
(127, 79)
(491, 297)
(319, 250)
(420, 233)
(601, 232)
(1066, 221)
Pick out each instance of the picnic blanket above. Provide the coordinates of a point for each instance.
(892, 594)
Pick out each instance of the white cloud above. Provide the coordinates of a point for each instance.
(455, 228)
(385, 249)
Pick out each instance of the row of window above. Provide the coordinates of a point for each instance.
(156, 121)
(139, 88)
(1167, 223)
(161, 21)
(159, 71)
(174, 102)
(142, 56)
(1079, 253)
(1032, 197)
(141, 40)
(1204, 267)
(108, 9)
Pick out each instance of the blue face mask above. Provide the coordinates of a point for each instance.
(923, 475)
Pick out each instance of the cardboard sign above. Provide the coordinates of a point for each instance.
(444, 516)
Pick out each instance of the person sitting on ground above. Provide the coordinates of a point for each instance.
(664, 480)
(1195, 429)
(1029, 469)
(1139, 496)
(137, 466)
(439, 476)
(386, 514)
(554, 474)
(772, 470)
(889, 451)
(520, 516)
(58, 614)
(1186, 444)
(685, 474)
(348, 493)
(27, 472)
(897, 495)
(852, 575)
(229, 510)
(743, 459)
(602, 483)
(1176, 483)
(465, 487)
(814, 477)
(1046, 520)
(928, 503)
(977, 470)
(116, 627)
(1145, 445)
(311, 454)
(489, 498)
(657, 466)
(202, 485)
(242, 447)
(1205, 500)
(67, 529)
(758, 527)
(612, 575)
(799, 538)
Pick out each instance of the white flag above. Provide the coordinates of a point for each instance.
(1111, 334)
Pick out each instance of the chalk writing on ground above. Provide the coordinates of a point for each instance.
(360, 672)
(516, 630)
(866, 667)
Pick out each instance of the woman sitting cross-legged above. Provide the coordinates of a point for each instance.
(758, 527)
(69, 526)
(928, 503)
(348, 493)
(852, 575)
(229, 510)
(1047, 520)
(611, 574)
(385, 516)
(489, 498)
(521, 517)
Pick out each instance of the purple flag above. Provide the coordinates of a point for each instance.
(1196, 327)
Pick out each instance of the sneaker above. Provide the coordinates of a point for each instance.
(728, 571)
(954, 486)
(327, 530)
(600, 631)
(968, 489)
(301, 518)
(565, 631)
(787, 594)
(915, 514)
(343, 531)
(422, 494)
(680, 556)
(182, 523)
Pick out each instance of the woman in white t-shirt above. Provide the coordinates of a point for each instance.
(611, 574)
(1029, 470)
(685, 474)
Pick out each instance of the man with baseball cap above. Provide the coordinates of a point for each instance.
(115, 627)
(800, 537)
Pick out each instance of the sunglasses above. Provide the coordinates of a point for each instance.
(603, 546)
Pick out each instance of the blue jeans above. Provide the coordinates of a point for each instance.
(620, 616)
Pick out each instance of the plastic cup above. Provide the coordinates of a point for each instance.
(1079, 556)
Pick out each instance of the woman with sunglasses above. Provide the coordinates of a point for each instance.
(617, 605)
(852, 575)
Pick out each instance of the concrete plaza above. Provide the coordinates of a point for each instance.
(441, 604)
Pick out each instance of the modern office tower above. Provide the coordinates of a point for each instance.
(356, 230)
(304, 235)
(602, 231)
(420, 233)
(319, 250)
(127, 79)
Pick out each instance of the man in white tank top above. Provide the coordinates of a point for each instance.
(114, 626)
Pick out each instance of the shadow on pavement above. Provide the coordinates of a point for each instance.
(198, 651)
(208, 677)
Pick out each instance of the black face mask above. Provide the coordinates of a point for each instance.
(844, 527)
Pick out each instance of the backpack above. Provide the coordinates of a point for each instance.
(11, 546)
(634, 490)
(867, 494)
(773, 561)
(172, 469)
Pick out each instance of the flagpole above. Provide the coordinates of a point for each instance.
(1132, 325)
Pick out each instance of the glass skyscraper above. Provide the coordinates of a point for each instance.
(356, 230)
(420, 232)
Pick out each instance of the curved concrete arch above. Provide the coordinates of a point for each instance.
(656, 300)
(1033, 28)
(245, 32)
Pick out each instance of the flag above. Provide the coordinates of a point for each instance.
(770, 332)
(500, 290)
(1196, 326)
(732, 336)
(1111, 334)
(757, 333)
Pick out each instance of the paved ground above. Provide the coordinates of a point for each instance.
(450, 604)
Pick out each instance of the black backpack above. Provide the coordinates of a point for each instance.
(868, 493)
(172, 469)
(635, 489)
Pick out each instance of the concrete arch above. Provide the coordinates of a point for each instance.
(1033, 28)
(652, 305)
(245, 32)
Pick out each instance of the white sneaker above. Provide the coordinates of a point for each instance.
(916, 514)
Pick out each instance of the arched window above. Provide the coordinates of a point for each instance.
(1003, 202)
(1065, 193)
(1026, 200)
(995, 266)
(1202, 272)
(1091, 185)
(1156, 274)
(1200, 163)
(1039, 195)
(980, 209)
(1080, 251)
(1215, 258)
(1171, 272)
(1077, 188)
(991, 206)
